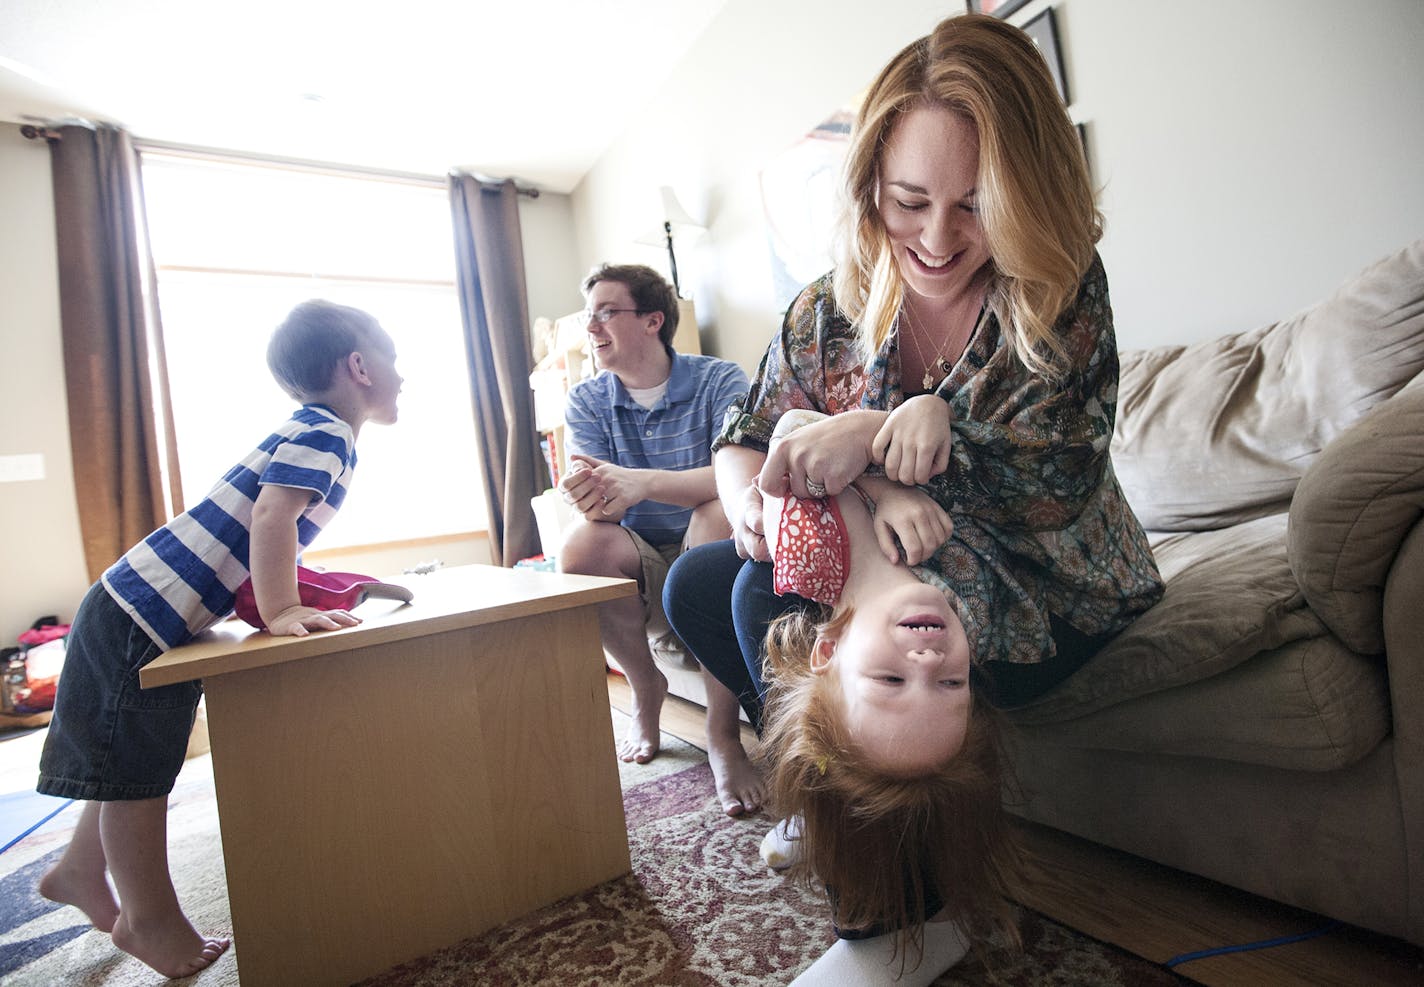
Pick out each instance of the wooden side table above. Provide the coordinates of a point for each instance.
(389, 789)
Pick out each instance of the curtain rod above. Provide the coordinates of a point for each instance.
(32, 132)
(249, 157)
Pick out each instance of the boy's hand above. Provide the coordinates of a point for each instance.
(913, 444)
(909, 515)
(300, 621)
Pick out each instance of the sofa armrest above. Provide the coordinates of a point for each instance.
(1350, 513)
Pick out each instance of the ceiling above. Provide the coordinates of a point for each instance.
(534, 90)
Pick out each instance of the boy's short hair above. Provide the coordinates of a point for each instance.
(650, 291)
(316, 336)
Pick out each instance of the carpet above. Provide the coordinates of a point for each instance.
(698, 909)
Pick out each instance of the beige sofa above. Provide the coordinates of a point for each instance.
(1264, 724)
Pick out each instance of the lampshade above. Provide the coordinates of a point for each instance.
(673, 214)
(675, 218)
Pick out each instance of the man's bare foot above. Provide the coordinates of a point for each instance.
(643, 739)
(739, 785)
(89, 892)
(172, 947)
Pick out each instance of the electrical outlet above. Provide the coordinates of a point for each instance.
(29, 466)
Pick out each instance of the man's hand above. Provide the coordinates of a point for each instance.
(585, 489)
(913, 444)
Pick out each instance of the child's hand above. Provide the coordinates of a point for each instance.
(913, 444)
(911, 516)
(300, 621)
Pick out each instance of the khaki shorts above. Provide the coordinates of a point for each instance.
(656, 560)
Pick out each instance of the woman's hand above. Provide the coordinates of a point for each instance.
(908, 515)
(749, 527)
(821, 459)
(913, 444)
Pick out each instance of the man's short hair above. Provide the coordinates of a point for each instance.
(650, 291)
(312, 341)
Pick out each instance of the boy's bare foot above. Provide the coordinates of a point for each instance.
(643, 739)
(172, 947)
(739, 784)
(87, 891)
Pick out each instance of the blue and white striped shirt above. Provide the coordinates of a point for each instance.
(183, 577)
(676, 434)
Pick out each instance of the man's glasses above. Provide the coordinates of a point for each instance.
(604, 315)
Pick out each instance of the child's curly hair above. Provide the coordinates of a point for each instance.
(883, 844)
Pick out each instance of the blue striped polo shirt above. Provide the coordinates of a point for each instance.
(675, 434)
(183, 577)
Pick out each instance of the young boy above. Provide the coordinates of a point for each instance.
(121, 747)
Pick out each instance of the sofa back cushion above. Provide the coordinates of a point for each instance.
(1220, 432)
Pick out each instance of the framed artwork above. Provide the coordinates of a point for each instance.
(1044, 32)
(999, 8)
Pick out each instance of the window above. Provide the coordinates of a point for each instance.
(237, 245)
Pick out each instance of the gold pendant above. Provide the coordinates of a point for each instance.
(929, 380)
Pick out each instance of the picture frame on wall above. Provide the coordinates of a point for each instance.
(1043, 29)
(998, 8)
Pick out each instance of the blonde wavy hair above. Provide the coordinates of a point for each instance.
(878, 841)
(1035, 198)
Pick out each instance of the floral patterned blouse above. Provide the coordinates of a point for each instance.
(1040, 523)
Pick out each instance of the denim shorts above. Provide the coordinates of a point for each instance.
(109, 740)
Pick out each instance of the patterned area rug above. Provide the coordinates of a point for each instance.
(698, 909)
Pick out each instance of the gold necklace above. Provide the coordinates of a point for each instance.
(940, 363)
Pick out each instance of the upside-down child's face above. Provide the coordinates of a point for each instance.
(900, 668)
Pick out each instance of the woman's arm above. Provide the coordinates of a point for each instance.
(736, 470)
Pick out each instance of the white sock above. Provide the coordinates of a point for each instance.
(781, 847)
(869, 962)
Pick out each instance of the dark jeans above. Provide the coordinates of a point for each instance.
(720, 606)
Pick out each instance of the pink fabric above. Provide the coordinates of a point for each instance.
(324, 591)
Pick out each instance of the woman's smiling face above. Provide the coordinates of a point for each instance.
(927, 198)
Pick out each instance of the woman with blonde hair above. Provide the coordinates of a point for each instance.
(963, 345)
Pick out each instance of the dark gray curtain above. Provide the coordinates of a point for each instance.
(489, 256)
(125, 475)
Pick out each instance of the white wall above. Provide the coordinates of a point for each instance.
(1252, 155)
(761, 76)
(41, 557)
(552, 265)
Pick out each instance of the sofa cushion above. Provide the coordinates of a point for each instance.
(1220, 432)
(1310, 705)
(1351, 512)
(1230, 595)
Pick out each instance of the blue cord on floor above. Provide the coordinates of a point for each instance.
(36, 826)
(1248, 946)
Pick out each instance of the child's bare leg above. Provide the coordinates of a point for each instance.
(151, 924)
(78, 879)
(739, 784)
(625, 636)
